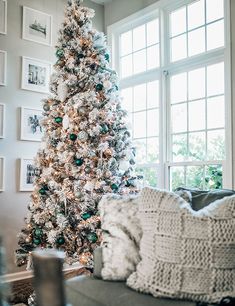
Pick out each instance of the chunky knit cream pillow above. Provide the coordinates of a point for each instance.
(121, 236)
(185, 254)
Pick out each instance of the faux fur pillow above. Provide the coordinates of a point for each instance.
(185, 254)
(121, 236)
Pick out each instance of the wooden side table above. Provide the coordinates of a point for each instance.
(21, 283)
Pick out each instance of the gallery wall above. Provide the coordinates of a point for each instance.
(13, 203)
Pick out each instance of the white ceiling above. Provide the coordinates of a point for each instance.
(101, 1)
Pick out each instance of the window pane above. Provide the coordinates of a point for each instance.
(127, 99)
(196, 115)
(179, 147)
(214, 177)
(215, 112)
(215, 79)
(215, 10)
(177, 177)
(196, 41)
(197, 146)
(153, 57)
(139, 61)
(152, 123)
(196, 14)
(139, 41)
(126, 43)
(179, 118)
(179, 88)
(178, 48)
(126, 64)
(140, 97)
(139, 125)
(195, 176)
(152, 32)
(153, 94)
(150, 177)
(196, 83)
(216, 145)
(140, 146)
(178, 21)
(153, 150)
(215, 35)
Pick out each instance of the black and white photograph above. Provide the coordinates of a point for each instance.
(30, 124)
(35, 74)
(3, 17)
(37, 26)
(2, 165)
(27, 174)
(2, 120)
(3, 66)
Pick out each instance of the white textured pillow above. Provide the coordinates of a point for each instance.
(121, 236)
(185, 254)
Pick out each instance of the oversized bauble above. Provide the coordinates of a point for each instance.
(86, 216)
(79, 161)
(66, 121)
(92, 237)
(60, 240)
(73, 137)
(36, 241)
(38, 232)
(59, 53)
(62, 91)
(99, 87)
(58, 119)
(114, 187)
(83, 136)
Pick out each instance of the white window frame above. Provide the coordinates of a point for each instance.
(160, 10)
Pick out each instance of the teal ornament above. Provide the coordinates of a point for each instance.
(114, 187)
(86, 216)
(104, 128)
(37, 241)
(99, 87)
(79, 161)
(42, 191)
(38, 232)
(106, 56)
(58, 119)
(73, 137)
(116, 87)
(60, 240)
(92, 237)
(80, 55)
(59, 53)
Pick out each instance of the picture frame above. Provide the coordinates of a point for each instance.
(2, 173)
(30, 124)
(35, 74)
(27, 174)
(3, 17)
(3, 67)
(2, 120)
(37, 26)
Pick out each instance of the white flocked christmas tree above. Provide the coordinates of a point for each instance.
(86, 150)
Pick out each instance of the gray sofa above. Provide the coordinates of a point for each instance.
(93, 291)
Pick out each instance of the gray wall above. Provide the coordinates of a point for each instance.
(13, 204)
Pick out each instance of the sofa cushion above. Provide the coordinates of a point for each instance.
(202, 198)
(185, 254)
(121, 236)
(88, 291)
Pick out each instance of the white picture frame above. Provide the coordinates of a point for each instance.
(27, 174)
(3, 68)
(35, 74)
(30, 128)
(37, 26)
(3, 17)
(2, 120)
(2, 173)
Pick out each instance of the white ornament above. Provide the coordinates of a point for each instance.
(62, 92)
(107, 84)
(124, 165)
(66, 121)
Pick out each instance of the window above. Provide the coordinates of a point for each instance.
(172, 59)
